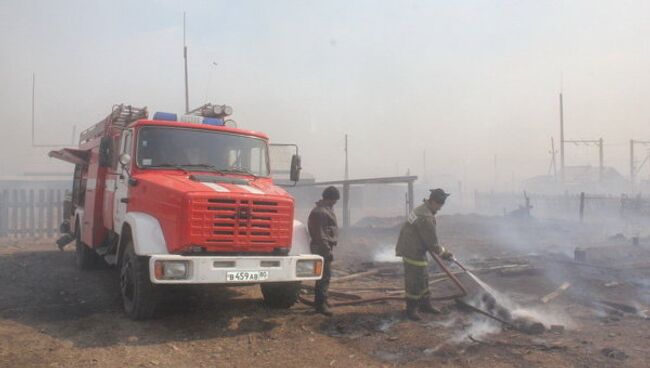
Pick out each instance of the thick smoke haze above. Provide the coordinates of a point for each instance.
(463, 81)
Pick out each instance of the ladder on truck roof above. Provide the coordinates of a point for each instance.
(121, 116)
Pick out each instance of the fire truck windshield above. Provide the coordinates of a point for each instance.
(201, 150)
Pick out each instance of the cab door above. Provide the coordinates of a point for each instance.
(122, 181)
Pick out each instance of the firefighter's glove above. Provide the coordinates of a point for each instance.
(447, 255)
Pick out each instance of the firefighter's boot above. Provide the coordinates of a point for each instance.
(426, 307)
(411, 310)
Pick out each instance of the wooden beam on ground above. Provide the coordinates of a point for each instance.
(550, 296)
(356, 275)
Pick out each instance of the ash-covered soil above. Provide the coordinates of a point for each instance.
(52, 315)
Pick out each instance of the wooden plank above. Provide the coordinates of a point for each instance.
(4, 212)
(13, 226)
(23, 213)
(50, 213)
(40, 207)
(32, 218)
(356, 275)
(548, 297)
(59, 208)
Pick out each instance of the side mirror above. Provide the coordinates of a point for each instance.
(125, 159)
(294, 174)
(106, 152)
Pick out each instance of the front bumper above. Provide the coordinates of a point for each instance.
(214, 270)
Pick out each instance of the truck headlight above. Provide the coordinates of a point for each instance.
(309, 268)
(172, 270)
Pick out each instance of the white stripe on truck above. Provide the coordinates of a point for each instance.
(216, 188)
(250, 189)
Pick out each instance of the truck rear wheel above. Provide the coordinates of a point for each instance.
(280, 295)
(139, 296)
(84, 257)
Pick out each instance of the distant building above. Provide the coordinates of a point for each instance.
(579, 179)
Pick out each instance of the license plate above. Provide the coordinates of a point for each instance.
(244, 276)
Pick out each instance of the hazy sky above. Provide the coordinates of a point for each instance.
(463, 80)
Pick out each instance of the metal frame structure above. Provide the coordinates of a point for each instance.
(409, 180)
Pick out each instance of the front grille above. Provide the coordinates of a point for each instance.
(241, 224)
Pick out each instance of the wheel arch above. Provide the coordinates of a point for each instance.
(145, 232)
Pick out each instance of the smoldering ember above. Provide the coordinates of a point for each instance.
(324, 184)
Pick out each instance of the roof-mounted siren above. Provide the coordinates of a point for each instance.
(166, 116)
(215, 114)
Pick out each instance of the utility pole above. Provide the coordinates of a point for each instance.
(187, 97)
(346, 190)
(561, 138)
(33, 107)
(347, 170)
(553, 161)
(601, 163)
(633, 169)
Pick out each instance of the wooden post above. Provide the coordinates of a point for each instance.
(582, 206)
(346, 206)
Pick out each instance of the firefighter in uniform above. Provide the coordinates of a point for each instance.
(323, 231)
(416, 238)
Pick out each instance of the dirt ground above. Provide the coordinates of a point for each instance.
(52, 315)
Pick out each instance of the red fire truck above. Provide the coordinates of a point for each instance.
(183, 199)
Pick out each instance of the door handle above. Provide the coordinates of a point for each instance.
(124, 200)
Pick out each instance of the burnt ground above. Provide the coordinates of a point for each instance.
(52, 315)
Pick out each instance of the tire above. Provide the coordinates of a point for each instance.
(84, 257)
(140, 297)
(280, 295)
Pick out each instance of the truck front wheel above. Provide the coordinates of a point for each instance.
(280, 295)
(139, 296)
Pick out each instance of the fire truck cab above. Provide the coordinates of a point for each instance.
(183, 200)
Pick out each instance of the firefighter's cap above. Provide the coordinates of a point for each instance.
(331, 193)
(438, 195)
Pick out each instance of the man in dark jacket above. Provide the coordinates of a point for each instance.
(323, 230)
(417, 237)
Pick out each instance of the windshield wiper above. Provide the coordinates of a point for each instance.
(208, 166)
(240, 170)
(175, 166)
(187, 168)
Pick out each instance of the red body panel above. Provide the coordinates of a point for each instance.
(193, 214)
(93, 230)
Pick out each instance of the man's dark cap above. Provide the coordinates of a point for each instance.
(331, 193)
(438, 195)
